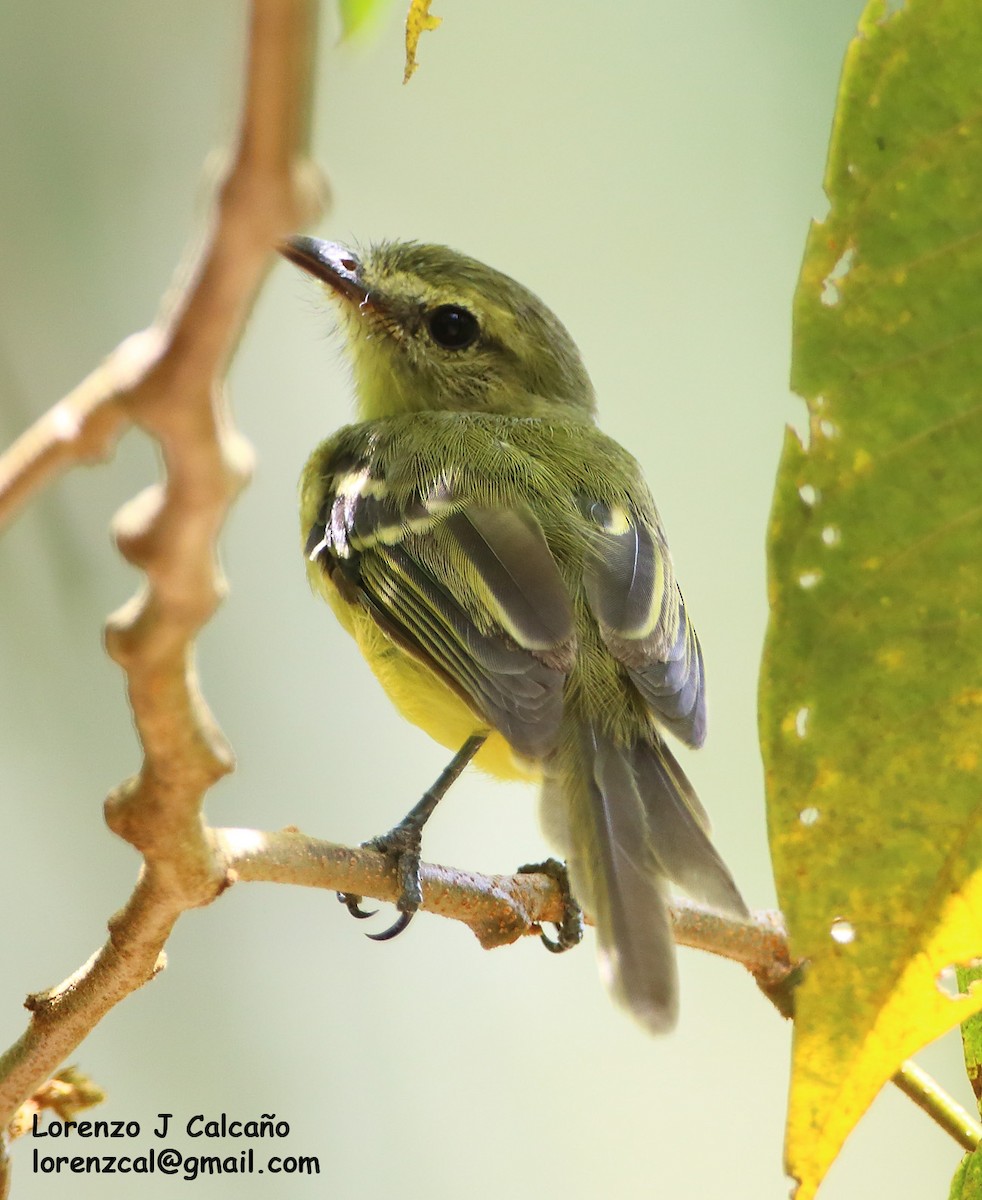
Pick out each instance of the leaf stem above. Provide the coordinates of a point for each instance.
(930, 1097)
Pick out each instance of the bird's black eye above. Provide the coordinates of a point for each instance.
(453, 327)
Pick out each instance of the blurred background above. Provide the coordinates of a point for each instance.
(650, 173)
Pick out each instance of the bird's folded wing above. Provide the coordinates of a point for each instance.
(631, 589)
(473, 592)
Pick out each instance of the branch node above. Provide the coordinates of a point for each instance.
(132, 526)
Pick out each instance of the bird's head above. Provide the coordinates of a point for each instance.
(430, 329)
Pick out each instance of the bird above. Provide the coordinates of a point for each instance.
(502, 567)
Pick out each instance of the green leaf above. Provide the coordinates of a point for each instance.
(361, 16)
(967, 1181)
(972, 1032)
(871, 687)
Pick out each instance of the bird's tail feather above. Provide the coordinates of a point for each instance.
(630, 823)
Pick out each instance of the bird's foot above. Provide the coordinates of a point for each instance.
(402, 845)
(569, 931)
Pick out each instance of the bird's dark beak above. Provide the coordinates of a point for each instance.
(329, 262)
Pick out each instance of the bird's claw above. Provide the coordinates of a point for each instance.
(569, 931)
(352, 902)
(401, 845)
(397, 926)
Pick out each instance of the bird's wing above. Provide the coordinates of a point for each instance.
(631, 590)
(472, 591)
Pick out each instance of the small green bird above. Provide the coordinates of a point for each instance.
(501, 564)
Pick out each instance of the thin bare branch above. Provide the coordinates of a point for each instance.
(500, 909)
(167, 380)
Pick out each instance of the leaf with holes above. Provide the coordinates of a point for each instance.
(871, 687)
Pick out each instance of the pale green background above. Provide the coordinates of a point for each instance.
(651, 175)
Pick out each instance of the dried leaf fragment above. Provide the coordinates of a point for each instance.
(418, 19)
(66, 1094)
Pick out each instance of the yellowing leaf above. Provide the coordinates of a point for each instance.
(418, 19)
(870, 721)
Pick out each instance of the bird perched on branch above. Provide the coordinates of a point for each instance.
(502, 567)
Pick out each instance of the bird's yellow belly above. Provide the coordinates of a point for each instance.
(422, 697)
